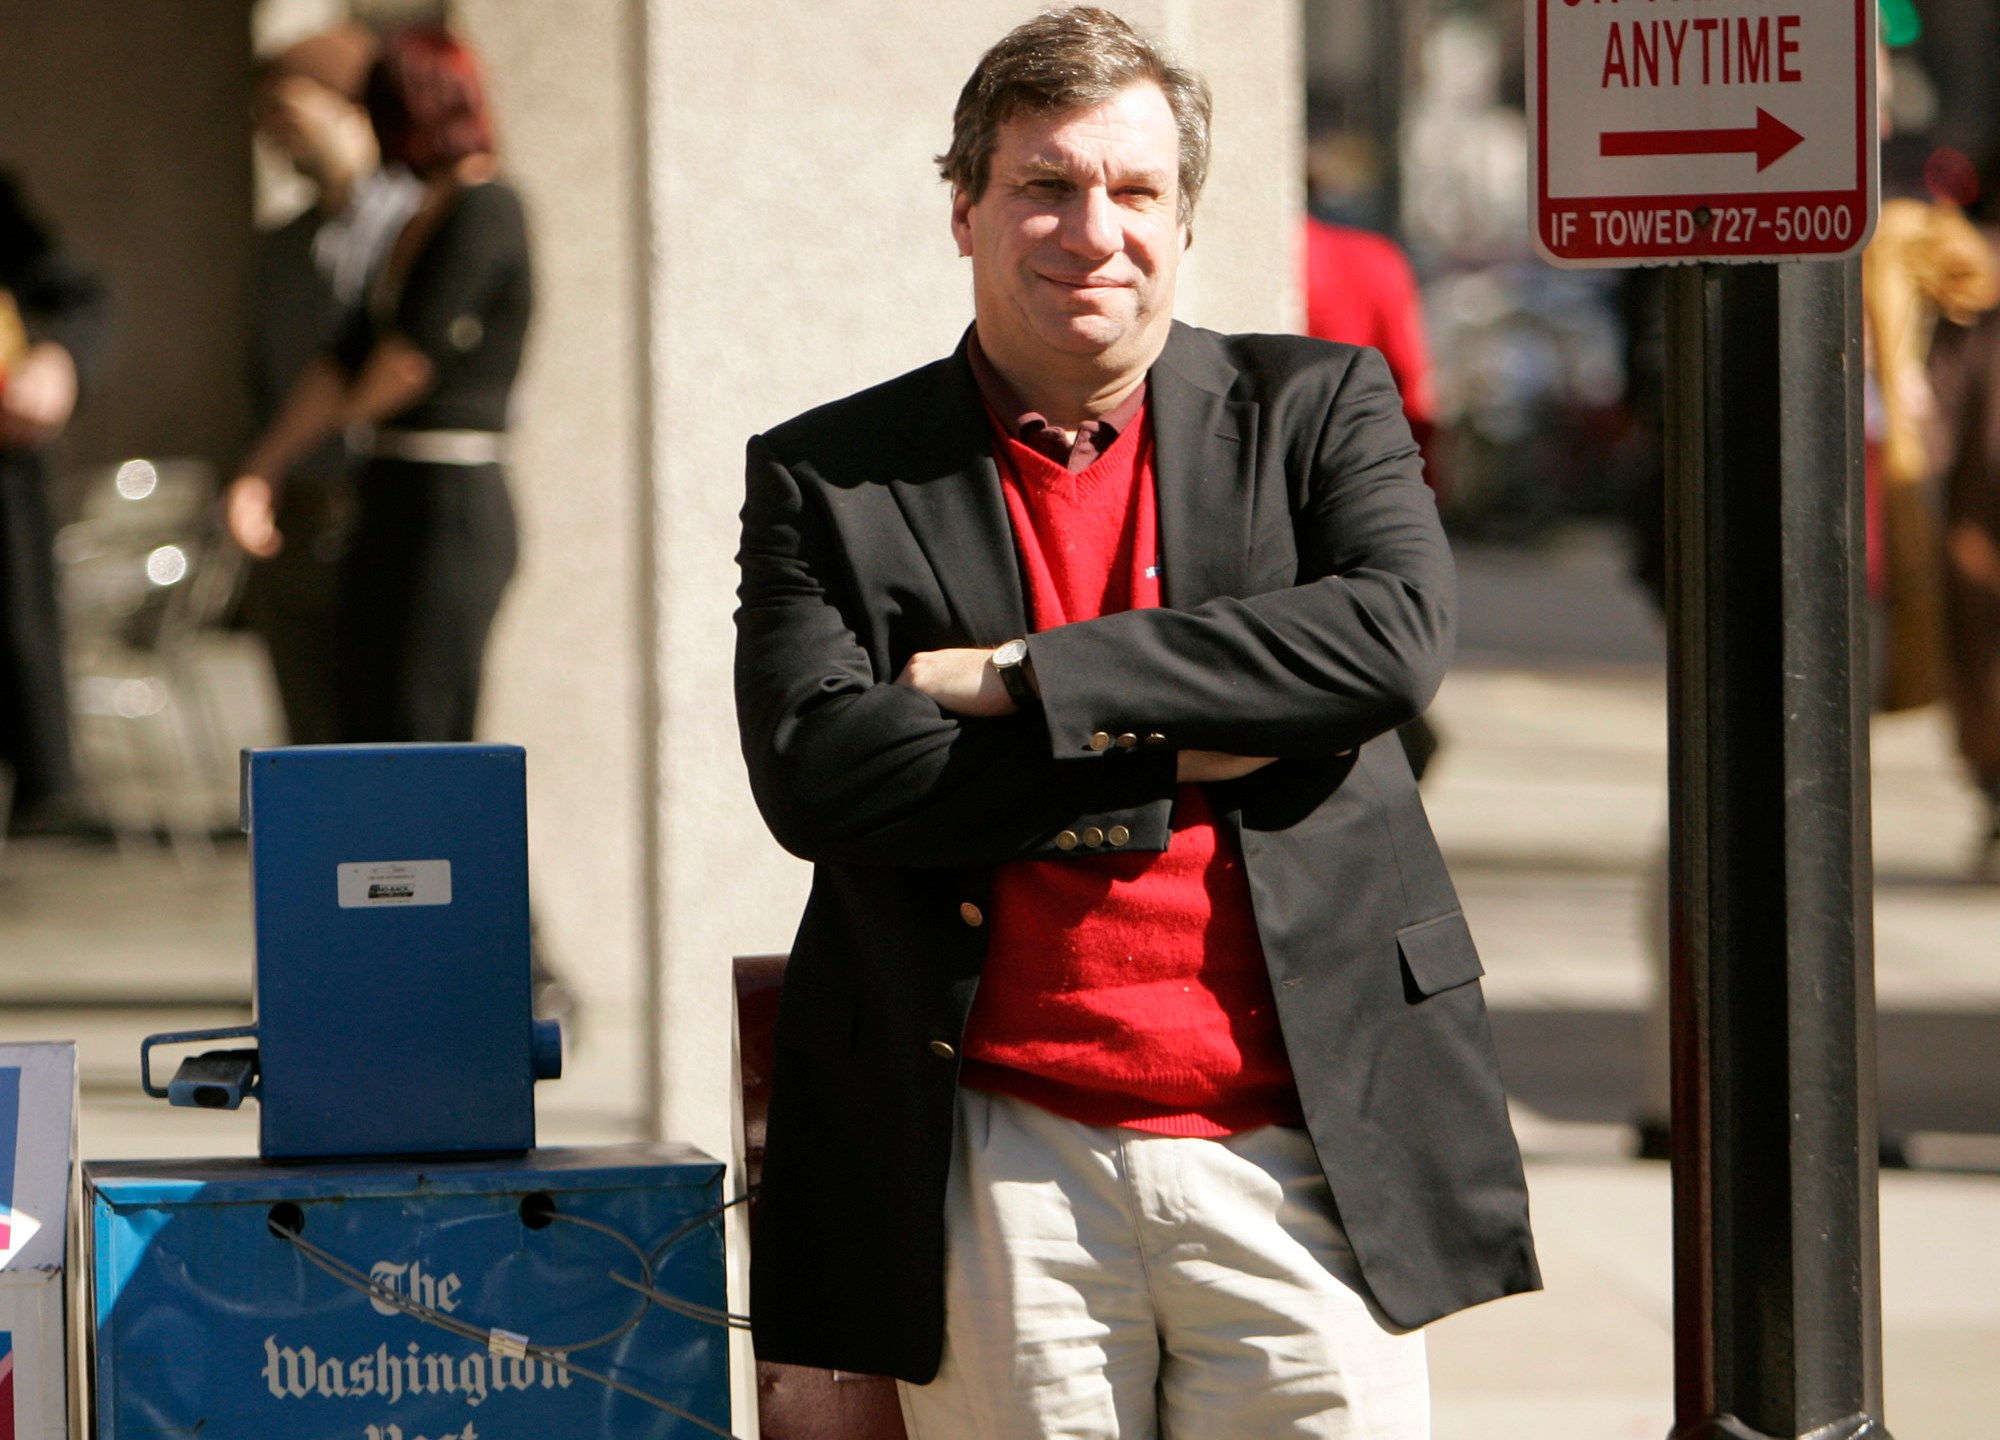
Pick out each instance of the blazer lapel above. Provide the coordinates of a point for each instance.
(950, 496)
(1205, 462)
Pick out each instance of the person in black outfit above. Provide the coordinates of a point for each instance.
(51, 324)
(430, 362)
(312, 275)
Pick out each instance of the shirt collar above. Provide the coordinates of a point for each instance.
(1013, 419)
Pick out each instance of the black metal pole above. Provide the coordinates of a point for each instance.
(1777, 1308)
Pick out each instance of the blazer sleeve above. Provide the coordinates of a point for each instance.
(1358, 645)
(848, 767)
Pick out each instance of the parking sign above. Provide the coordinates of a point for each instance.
(1673, 131)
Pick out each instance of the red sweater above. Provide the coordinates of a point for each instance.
(1122, 989)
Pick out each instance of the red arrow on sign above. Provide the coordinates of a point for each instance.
(1768, 139)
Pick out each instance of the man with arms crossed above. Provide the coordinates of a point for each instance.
(1133, 1076)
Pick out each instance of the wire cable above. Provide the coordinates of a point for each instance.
(485, 1337)
(683, 1307)
(645, 1269)
(376, 1290)
(688, 1227)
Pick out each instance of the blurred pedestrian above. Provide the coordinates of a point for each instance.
(1965, 372)
(311, 279)
(1924, 263)
(430, 362)
(51, 323)
(1361, 290)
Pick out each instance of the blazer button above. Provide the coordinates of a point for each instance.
(1100, 741)
(1066, 840)
(1093, 837)
(942, 1049)
(1127, 740)
(1117, 834)
(971, 914)
(1156, 738)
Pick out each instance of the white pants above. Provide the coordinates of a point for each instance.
(1107, 1283)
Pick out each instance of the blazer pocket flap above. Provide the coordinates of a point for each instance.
(815, 1019)
(1439, 953)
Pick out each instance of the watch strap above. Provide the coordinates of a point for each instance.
(1014, 675)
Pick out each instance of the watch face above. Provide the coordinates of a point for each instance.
(1012, 653)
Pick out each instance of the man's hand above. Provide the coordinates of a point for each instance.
(38, 399)
(249, 511)
(962, 682)
(1195, 767)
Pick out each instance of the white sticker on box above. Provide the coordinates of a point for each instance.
(395, 882)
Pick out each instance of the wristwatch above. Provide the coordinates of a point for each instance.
(1011, 661)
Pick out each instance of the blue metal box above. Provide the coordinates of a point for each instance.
(393, 995)
(206, 1323)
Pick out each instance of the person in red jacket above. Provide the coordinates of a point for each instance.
(1360, 290)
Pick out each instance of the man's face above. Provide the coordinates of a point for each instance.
(1076, 243)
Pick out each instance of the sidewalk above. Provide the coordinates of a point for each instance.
(1550, 802)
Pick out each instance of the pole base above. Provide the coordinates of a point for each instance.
(1728, 1427)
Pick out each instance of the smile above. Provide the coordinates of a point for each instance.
(1086, 283)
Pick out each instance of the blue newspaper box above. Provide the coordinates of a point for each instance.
(207, 1323)
(392, 985)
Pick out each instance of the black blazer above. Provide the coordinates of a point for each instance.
(1308, 609)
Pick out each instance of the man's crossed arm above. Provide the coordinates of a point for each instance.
(936, 769)
(965, 682)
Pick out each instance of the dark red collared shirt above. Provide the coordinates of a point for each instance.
(1012, 417)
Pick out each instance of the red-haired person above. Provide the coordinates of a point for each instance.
(429, 364)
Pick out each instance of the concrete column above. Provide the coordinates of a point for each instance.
(1245, 270)
(566, 674)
